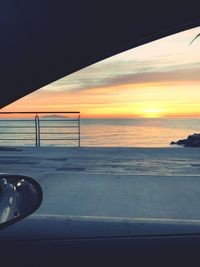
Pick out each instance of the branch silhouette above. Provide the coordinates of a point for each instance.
(194, 38)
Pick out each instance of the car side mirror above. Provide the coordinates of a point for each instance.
(20, 196)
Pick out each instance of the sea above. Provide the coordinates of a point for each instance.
(137, 132)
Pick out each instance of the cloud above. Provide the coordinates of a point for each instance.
(121, 74)
(182, 75)
(167, 59)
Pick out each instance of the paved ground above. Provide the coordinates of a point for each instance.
(112, 182)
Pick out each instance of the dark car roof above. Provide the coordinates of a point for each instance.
(42, 41)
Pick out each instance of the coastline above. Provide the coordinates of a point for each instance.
(102, 160)
(159, 183)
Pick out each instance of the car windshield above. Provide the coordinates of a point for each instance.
(110, 142)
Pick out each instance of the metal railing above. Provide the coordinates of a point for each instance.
(40, 128)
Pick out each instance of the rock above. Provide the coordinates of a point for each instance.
(182, 142)
(179, 142)
(173, 143)
(191, 141)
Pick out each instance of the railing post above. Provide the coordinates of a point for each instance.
(37, 131)
(79, 131)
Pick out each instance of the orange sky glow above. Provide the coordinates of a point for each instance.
(159, 79)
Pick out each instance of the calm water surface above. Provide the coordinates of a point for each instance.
(105, 132)
(108, 132)
(136, 132)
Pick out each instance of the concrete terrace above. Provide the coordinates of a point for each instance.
(160, 183)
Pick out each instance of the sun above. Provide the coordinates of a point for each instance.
(152, 113)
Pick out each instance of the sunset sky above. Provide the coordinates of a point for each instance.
(159, 79)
